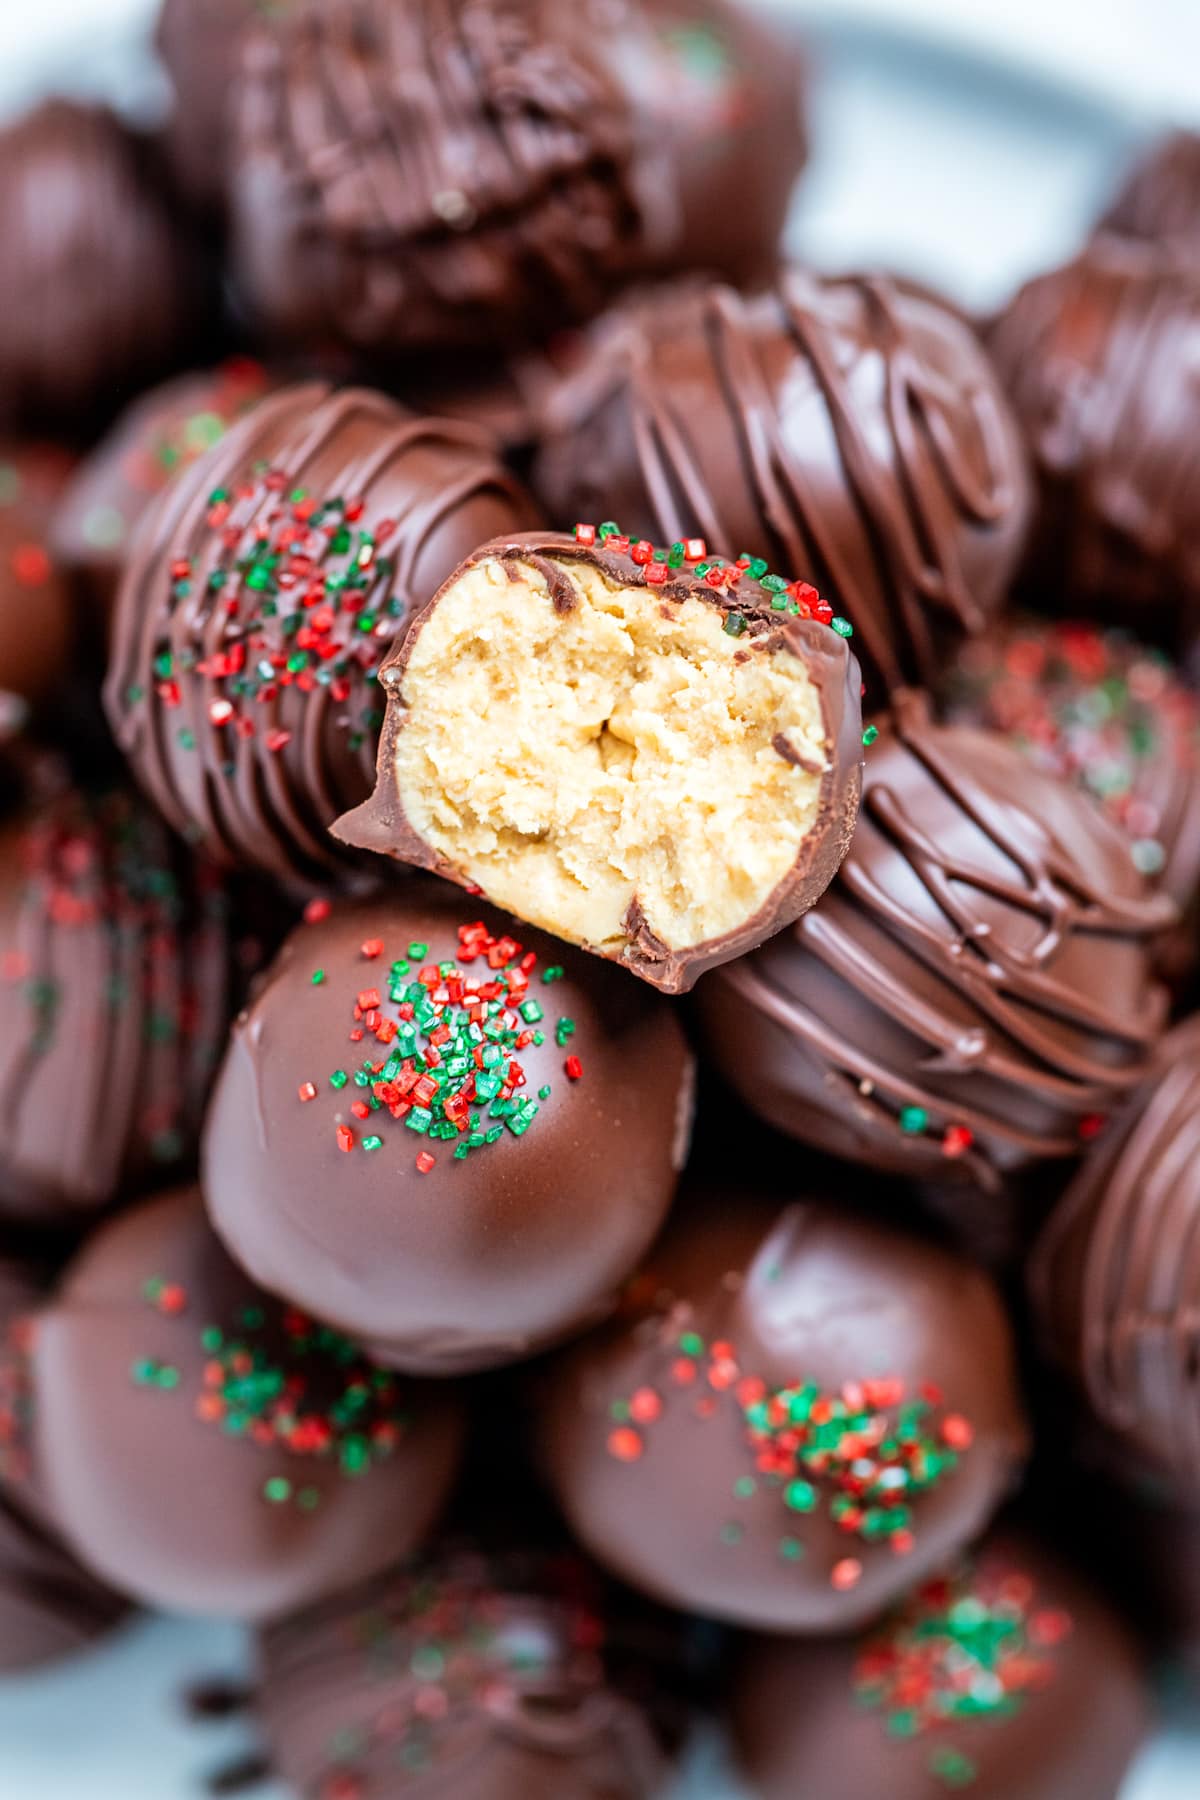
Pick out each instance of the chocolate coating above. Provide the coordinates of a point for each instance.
(49, 1606)
(449, 172)
(1042, 1690)
(489, 1678)
(1159, 200)
(170, 1458)
(974, 993)
(99, 292)
(117, 984)
(653, 1438)
(1094, 358)
(1114, 1277)
(848, 430)
(198, 43)
(483, 1257)
(35, 606)
(252, 734)
(382, 823)
(152, 443)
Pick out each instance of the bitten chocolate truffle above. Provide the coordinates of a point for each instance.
(850, 428)
(152, 443)
(1005, 1676)
(1159, 201)
(35, 605)
(797, 1417)
(461, 1674)
(99, 292)
(117, 984)
(1094, 357)
(444, 1133)
(974, 994)
(50, 1607)
(648, 752)
(518, 161)
(263, 593)
(209, 1451)
(1115, 1280)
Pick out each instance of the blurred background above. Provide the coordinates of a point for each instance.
(962, 142)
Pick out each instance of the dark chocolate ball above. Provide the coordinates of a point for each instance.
(117, 985)
(207, 1450)
(974, 994)
(848, 430)
(1006, 1676)
(263, 594)
(452, 1142)
(1095, 357)
(198, 41)
(1159, 200)
(35, 604)
(493, 1677)
(483, 170)
(99, 291)
(148, 449)
(797, 1417)
(50, 1607)
(1115, 1277)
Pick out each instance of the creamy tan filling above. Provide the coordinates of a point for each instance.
(570, 762)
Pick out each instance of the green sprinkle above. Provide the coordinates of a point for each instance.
(372, 1143)
(869, 736)
(843, 627)
(277, 1490)
(913, 1119)
(734, 625)
(338, 1079)
(318, 976)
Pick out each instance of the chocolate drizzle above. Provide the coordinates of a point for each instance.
(205, 622)
(973, 989)
(845, 428)
(1116, 1275)
(1092, 356)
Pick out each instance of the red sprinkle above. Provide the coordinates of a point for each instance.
(425, 1161)
(573, 1067)
(625, 1444)
(345, 1138)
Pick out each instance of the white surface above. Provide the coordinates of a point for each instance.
(967, 143)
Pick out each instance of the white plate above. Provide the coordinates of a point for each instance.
(965, 144)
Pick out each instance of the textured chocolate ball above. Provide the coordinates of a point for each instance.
(850, 430)
(1100, 710)
(50, 1607)
(263, 593)
(1159, 200)
(1005, 1676)
(117, 985)
(797, 1417)
(148, 449)
(485, 171)
(488, 1676)
(650, 755)
(445, 1133)
(974, 994)
(1095, 359)
(1115, 1280)
(198, 41)
(99, 291)
(207, 1450)
(35, 606)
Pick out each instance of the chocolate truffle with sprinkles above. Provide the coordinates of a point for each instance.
(263, 593)
(974, 995)
(797, 1417)
(35, 603)
(649, 751)
(443, 1133)
(99, 290)
(1101, 710)
(50, 1607)
(850, 429)
(482, 171)
(117, 985)
(1115, 1278)
(1005, 1675)
(151, 445)
(489, 1676)
(1095, 358)
(209, 1451)
(1159, 200)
